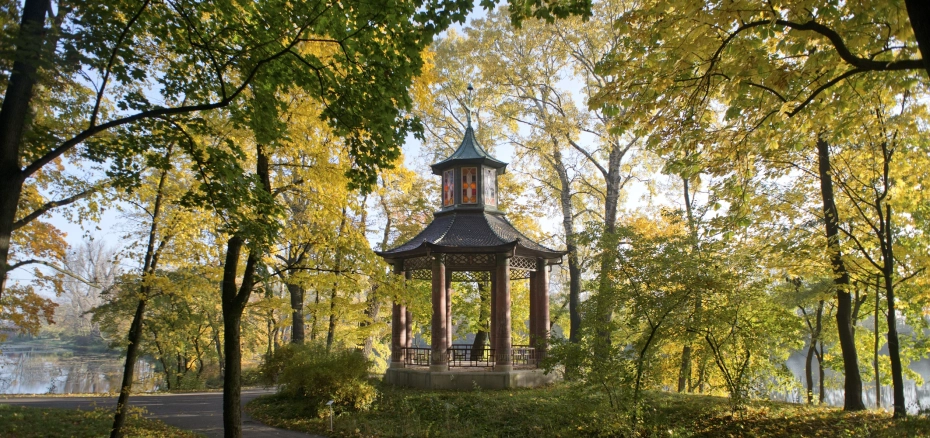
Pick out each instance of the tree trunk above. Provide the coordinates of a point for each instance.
(817, 336)
(219, 350)
(182, 369)
(13, 120)
(853, 384)
(132, 353)
(374, 307)
(331, 331)
(297, 315)
(568, 226)
(149, 264)
(809, 371)
(484, 314)
(894, 353)
(919, 13)
(234, 302)
(878, 381)
(812, 345)
(315, 315)
(613, 184)
(684, 373)
(822, 375)
(232, 382)
(608, 244)
(269, 332)
(702, 374)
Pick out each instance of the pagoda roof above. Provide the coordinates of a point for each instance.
(469, 152)
(470, 232)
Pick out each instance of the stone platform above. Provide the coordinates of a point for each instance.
(468, 378)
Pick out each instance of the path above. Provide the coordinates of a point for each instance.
(200, 412)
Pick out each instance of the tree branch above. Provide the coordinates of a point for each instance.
(156, 112)
(52, 204)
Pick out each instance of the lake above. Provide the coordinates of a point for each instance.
(915, 397)
(31, 370)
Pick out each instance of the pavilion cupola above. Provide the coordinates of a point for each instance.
(469, 176)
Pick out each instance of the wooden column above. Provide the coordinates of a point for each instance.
(542, 290)
(439, 344)
(408, 321)
(503, 329)
(398, 323)
(398, 334)
(408, 329)
(395, 334)
(449, 309)
(534, 309)
(492, 329)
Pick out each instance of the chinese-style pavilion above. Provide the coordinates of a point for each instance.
(470, 239)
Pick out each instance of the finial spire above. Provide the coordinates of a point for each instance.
(468, 103)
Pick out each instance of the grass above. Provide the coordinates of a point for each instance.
(27, 422)
(564, 411)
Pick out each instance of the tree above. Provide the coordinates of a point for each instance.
(97, 267)
(869, 187)
(357, 59)
(165, 221)
(753, 78)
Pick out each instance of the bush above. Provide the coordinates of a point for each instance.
(317, 375)
(251, 377)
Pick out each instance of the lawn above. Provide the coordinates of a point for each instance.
(25, 422)
(563, 411)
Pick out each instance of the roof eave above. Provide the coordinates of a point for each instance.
(444, 165)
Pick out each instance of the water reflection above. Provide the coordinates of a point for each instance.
(33, 371)
(915, 397)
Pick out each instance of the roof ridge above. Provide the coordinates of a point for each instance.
(485, 215)
(449, 227)
(475, 142)
(524, 236)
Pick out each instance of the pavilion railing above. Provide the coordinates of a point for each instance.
(523, 355)
(464, 355)
(415, 355)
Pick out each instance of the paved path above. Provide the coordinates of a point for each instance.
(200, 412)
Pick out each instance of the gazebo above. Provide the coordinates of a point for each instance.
(471, 240)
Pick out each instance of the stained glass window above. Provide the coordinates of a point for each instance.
(469, 185)
(448, 187)
(490, 186)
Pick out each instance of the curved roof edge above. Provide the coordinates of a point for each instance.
(470, 233)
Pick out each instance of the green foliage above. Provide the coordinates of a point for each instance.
(521, 10)
(314, 375)
(663, 290)
(567, 410)
(182, 323)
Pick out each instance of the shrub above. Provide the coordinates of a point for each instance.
(251, 377)
(317, 375)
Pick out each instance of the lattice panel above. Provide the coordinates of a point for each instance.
(469, 260)
(418, 263)
(470, 276)
(421, 274)
(458, 259)
(421, 268)
(524, 263)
